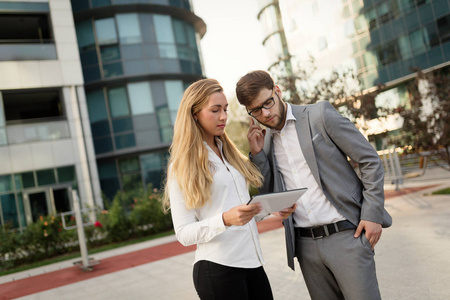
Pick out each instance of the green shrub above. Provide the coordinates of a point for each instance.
(130, 214)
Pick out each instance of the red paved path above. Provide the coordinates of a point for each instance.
(39, 283)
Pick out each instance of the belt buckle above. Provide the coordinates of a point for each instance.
(313, 236)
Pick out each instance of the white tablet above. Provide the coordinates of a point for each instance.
(274, 202)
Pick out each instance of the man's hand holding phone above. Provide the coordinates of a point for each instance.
(255, 137)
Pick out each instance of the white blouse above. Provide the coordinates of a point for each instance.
(234, 246)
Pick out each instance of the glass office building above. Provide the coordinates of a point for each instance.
(382, 40)
(89, 91)
(137, 59)
(45, 141)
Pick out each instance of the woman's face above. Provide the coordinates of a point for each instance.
(213, 117)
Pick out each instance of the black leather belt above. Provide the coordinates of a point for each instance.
(318, 232)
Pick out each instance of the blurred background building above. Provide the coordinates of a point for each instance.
(381, 40)
(88, 92)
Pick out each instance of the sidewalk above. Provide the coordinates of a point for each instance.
(412, 260)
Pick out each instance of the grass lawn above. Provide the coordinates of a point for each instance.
(90, 252)
(445, 191)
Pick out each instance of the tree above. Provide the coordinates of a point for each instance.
(343, 88)
(426, 124)
(237, 125)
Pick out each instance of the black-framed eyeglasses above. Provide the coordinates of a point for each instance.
(256, 112)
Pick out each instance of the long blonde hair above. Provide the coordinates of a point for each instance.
(188, 162)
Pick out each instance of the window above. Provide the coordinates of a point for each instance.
(32, 105)
(109, 179)
(431, 35)
(384, 13)
(26, 37)
(25, 28)
(96, 106)
(371, 17)
(405, 48)
(129, 30)
(9, 210)
(360, 24)
(417, 41)
(388, 53)
(118, 102)
(131, 175)
(24, 180)
(6, 183)
(140, 98)
(45, 177)
(165, 36)
(152, 168)
(444, 28)
(174, 92)
(106, 31)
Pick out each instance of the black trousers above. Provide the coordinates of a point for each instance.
(214, 282)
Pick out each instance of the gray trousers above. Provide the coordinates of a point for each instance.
(338, 266)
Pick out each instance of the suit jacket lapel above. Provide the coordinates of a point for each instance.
(305, 139)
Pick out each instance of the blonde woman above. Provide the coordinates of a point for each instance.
(207, 186)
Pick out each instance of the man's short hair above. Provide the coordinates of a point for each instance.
(249, 86)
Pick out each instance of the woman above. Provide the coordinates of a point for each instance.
(208, 191)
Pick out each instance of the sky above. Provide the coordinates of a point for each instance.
(232, 45)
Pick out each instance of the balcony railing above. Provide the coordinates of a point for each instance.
(31, 132)
(14, 52)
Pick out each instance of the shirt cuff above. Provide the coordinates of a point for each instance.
(217, 223)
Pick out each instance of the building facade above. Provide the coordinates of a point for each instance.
(88, 94)
(381, 40)
(137, 58)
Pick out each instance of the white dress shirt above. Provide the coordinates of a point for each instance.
(313, 208)
(234, 246)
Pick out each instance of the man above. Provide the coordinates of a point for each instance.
(339, 220)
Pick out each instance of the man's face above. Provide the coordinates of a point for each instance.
(273, 117)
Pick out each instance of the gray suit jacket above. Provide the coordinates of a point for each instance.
(327, 139)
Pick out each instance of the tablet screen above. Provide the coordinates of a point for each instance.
(274, 202)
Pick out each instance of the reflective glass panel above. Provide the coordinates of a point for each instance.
(112, 69)
(66, 174)
(85, 34)
(109, 179)
(180, 34)
(110, 53)
(100, 128)
(21, 209)
(9, 210)
(129, 29)
(125, 141)
(405, 48)
(103, 145)
(6, 183)
(417, 42)
(167, 50)
(444, 28)
(163, 27)
(96, 106)
(191, 36)
(118, 102)
(174, 92)
(122, 124)
(45, 177)
(97, 3)
(106, 31)
(129, 165)
(24, 180)
(140, 98)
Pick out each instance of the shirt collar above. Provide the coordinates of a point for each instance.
(218, 142)
(289, 117)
